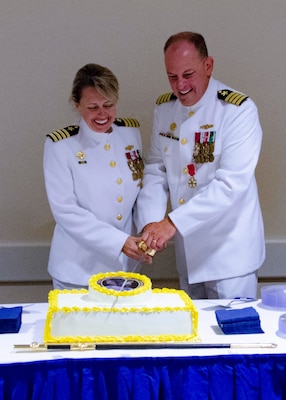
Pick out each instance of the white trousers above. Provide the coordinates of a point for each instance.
(240, 286)
(64, 285)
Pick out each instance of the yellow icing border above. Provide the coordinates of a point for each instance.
(121, 339)
(53, 296)
(188, 306)
(147, 285)
(124, 339)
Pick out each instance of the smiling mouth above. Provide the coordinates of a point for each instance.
(101, 122)
(183, 93)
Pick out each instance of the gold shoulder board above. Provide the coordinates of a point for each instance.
(129, 122)
(64, 133)
(231, 97)
(165, 98)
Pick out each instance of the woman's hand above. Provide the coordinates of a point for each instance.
(132, 249)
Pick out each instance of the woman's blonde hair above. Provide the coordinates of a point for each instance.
(98, 77)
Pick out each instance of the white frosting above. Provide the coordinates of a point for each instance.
(140, 318)
(120, 307)
(121, 324)
(109, 299)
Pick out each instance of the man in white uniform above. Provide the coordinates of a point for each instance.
(204, 150)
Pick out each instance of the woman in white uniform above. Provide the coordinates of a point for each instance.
(93, 174)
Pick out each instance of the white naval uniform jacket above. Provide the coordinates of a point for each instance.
(91, 193)
(219, 222)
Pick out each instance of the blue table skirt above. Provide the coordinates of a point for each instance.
(227, 377)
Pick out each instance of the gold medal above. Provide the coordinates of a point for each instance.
(196, 149)
(192, 171)
(134, 176)
(136, 165)
(192, 182)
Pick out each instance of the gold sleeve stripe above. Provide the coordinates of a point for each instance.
(236, 98)
(232, 97)
(165, 98)
(63, 133)
(128, 122)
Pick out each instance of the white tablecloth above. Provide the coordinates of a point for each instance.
(33, 320)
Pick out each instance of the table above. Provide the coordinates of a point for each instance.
(148, 374)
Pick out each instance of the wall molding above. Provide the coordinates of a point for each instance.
(27, 262)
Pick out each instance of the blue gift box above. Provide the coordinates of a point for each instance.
(10, 319)
(245, 320)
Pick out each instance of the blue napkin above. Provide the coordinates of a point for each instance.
(245, 320)
(10, 319)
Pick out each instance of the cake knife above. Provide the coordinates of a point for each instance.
(136, 268)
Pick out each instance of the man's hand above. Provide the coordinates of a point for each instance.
(157, 234)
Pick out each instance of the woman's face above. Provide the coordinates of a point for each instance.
(97, 111)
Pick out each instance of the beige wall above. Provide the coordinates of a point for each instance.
(43, 44)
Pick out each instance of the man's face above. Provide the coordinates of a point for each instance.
(188, 72)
